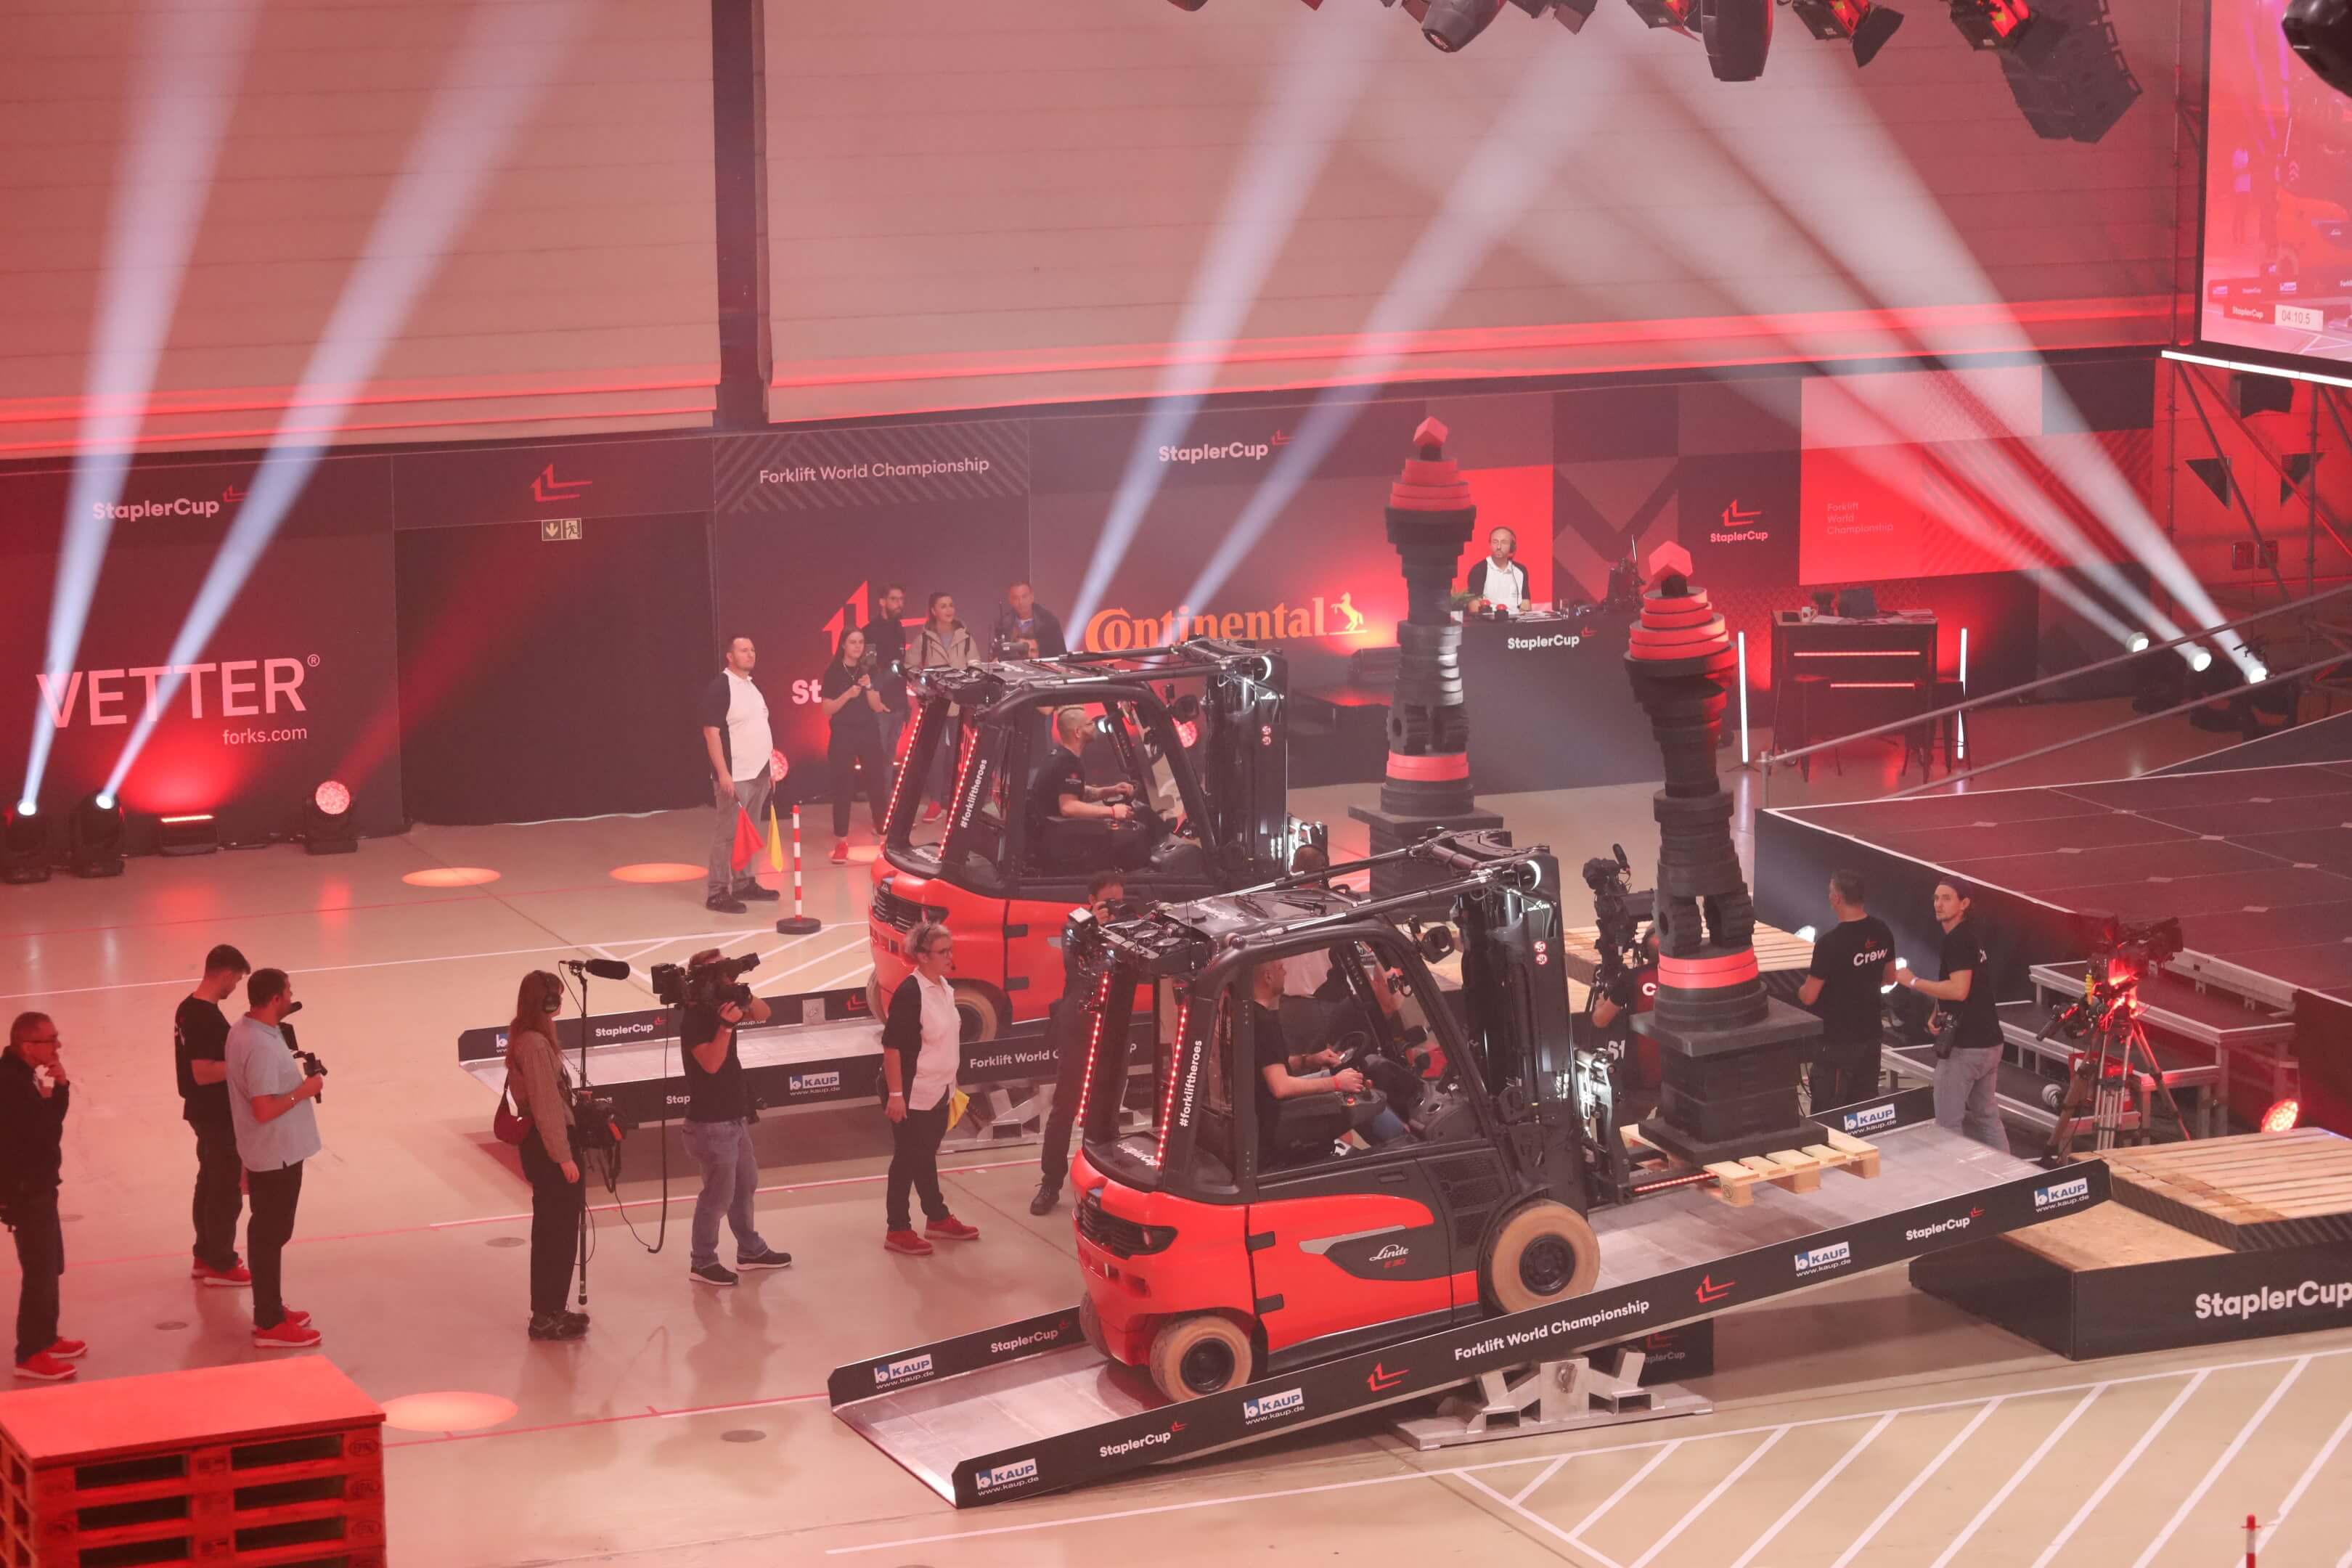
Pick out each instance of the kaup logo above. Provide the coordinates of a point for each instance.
(898, 1372)
(1004, 1475)
(814, 1083)
(1869, 1117)
(1270, 1406)
(1113, 629)
(1813, 1262)
(2062, 1195)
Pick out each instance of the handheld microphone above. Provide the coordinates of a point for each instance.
(602, 968)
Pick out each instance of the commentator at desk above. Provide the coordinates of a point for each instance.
(1499, 580)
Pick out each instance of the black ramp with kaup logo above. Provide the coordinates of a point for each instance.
(980, 1424)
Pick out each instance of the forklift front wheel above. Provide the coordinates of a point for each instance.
(1090, 1325)
(1544, 1252)
(1204, 1354)
(981, 1011)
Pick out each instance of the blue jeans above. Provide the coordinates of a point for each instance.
(1967, 1084)
(730, 1177)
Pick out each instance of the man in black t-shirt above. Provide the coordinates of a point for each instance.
(1075, 825)
(1071, 1028)
(1965, 1083)
(718, 1135)
(1850, 961)
(200, 1056)
(886, 634)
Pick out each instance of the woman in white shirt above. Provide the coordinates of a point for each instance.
(922, 1046)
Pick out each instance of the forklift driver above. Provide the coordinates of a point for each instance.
(1281, 1075)
(1078, 827)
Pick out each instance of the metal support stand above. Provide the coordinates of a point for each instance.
(1572, 1395)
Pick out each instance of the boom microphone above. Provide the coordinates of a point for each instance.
(602, 968)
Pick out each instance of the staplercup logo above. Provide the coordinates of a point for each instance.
(1869, 1118)
(1022, 1341)
(1227, 452)
(1820, 1259)
(1004, 1475)
(2062, 1195)
(1554, 640)
(814, 1083)
(178, 506)
(2334, 1293)
(1273, 1407)
(1942, 1227)
(1148, 1440)
(897, 1371)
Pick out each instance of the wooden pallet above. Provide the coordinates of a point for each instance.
(2258, 1193)
(1793, 1170)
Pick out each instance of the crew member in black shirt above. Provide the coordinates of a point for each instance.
(1850, 961)
(886, 634)
(718, 1134)
(200, 1051)
(35, 1094)
(1966, 1084)
(1075, 825)
(1070, 1032)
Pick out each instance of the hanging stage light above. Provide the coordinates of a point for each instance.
(2321, 32)
(25, 852)
(327, 825)
(94, 836)
(2008, 25)
(1739, 34)
(1867, 24)
(1450, 25)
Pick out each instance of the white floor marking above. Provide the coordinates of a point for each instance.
(1540, 1522)
(1700, 1507)
(2196, 1381)
(2213, 1472)
(1636, 1480)
(1810, 1492)
(2032, 1461)
(1664, 1445)
(1896, 1506)
(826, 957)
(1541, 1477)
(2303, 1482)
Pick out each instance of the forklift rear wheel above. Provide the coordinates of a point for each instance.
(981, 1014)
(1544, 1252)
(1201, 1355)
(1090, 1325)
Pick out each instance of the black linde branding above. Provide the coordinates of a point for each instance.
(836, 473)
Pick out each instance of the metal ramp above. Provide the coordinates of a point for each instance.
(1029, 1408)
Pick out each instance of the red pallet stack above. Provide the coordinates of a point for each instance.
(276, 1462)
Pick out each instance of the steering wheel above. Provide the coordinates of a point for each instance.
(1355, 1048)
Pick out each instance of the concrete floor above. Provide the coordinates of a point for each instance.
(1861, 1423)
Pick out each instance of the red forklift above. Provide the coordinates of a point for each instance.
(1251, 1234)
(1198, 732)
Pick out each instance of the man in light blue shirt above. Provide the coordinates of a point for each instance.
(269, 1100)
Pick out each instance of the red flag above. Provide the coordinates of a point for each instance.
(747, 840)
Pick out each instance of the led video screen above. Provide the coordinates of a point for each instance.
(2278, 194)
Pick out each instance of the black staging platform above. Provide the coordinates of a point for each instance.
(2257, 862)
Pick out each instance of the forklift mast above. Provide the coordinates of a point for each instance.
(1245, 759)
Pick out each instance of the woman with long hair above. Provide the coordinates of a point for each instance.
(542, 1089)
(856, 710)
(943, 642)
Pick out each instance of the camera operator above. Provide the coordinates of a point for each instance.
(200, 1051)
(1024, 628)
(886, 638)
(1967, 1039)
(1071, 1027)
(718, 1135)
(1850, 961)
(1633, 992)
(922, 1046)
(942, 642)
(855, 706)
(269, 1096)
(1074, 825)
(35, 1094)
(736, 736)
(1499, 582)
(541, 1087)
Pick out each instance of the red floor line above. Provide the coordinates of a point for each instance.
(648, 1414)
(685, 1197)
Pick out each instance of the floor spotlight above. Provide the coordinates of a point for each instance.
(94, 838)
(1868, 24)
(327, 826)
(25, 849)
(188, 832)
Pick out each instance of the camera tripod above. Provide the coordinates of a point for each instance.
(2114, 1047)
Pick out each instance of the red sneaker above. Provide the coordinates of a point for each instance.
(841, 851)
(933, 811)
(69, 1350)
(908, 1242)
(297, 1317)
(204, 1274)
(289, 1335)
(46, 1368)
(952, 1229)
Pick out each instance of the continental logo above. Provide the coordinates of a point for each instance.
(2062, 1195)
(1002, 1475)
(897, 1371)
(1112, 629)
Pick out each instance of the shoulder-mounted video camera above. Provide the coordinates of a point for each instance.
(712, 983)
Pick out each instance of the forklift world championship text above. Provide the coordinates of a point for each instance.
(1548, 1331)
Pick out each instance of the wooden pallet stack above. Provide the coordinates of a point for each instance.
(2253, 1194)
(277, 1463)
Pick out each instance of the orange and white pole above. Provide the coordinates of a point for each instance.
(797, 923)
